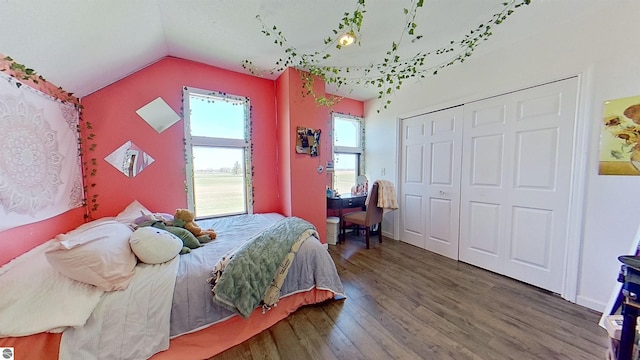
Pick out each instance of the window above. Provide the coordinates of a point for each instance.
(348, 149)
(218, 153)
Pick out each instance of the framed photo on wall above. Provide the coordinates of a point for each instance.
(307, 141)
(620, 137)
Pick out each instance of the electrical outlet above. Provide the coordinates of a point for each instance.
(383, 171)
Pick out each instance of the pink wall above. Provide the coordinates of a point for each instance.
(302, 187)
(284, 181)
(161, 186)
(284, 142)
(308, 196)
(16, 241)
(349, 107)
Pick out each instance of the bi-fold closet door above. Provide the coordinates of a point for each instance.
(430, 187)
(495, 190)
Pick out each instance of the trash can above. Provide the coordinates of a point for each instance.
(333, 230)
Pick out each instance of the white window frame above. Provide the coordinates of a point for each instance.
(206, 141)
(359, 149)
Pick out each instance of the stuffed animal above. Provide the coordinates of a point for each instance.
(184, 218)
(149, 219)
(189, 241)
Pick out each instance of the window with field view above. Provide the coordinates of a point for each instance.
(218, 153)
(348, 151)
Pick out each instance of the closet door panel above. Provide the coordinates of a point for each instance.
(414, 218)
(531, 237)
(413, 182)
(536, 159)
(487, 161)
(483, 195)
(484, 224)
(443, 189)
(430, 181)
(516, 183)
(541, 190)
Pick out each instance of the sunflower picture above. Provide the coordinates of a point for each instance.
(620, 137)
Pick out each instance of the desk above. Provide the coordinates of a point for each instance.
(345, 202)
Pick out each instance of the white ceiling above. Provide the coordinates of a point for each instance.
(83, 46)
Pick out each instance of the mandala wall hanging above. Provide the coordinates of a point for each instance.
(40, 175)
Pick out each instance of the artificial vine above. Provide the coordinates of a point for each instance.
(24, 73)
(387, 75)
(89, 164)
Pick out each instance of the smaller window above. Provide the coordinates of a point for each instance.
(348, 151)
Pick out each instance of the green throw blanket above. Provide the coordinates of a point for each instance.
(242, 277)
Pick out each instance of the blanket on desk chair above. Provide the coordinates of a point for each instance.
(386, 195)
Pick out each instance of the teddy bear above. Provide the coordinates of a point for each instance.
(184, 218)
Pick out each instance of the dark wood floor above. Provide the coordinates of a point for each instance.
(408, 303)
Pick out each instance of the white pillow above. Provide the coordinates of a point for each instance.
(132, 212)
(100, 255)
(84, 227)
(154, 246)
(37, 298)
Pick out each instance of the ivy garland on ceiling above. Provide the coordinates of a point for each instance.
(388, 74)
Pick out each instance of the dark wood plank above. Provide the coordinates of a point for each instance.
(287, 343)
(263, 347)
(310, 338)
(338, 341)
(408, 303)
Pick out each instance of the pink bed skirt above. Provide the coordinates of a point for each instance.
(201, 344)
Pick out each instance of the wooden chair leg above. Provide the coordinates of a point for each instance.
(367, 235)
(380, 232)
(343, 234)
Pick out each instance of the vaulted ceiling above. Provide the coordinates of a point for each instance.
(83, 46)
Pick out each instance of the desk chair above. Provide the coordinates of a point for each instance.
(367, 218)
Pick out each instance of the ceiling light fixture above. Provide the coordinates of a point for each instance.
(347, 38)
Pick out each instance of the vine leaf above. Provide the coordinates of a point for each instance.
(387, 74)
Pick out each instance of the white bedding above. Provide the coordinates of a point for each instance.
(36, 298)
(136, 330)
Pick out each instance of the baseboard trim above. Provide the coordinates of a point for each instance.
(388, 234)
(590, 303)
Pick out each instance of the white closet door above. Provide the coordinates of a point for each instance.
(516, 182)
(484, 192)
(413, 184)
(430, 204)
